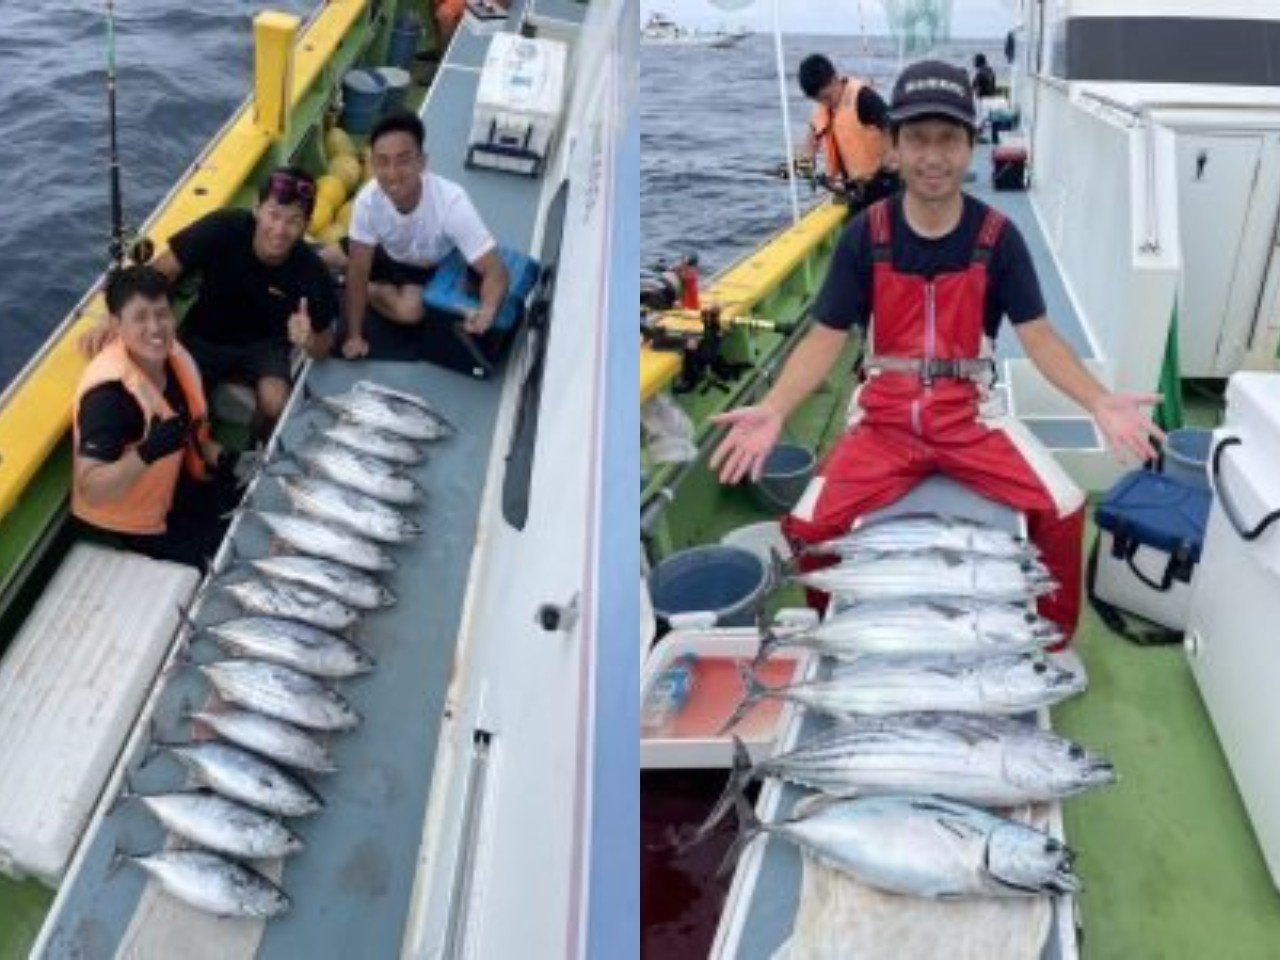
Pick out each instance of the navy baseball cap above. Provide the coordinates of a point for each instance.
(932, 88)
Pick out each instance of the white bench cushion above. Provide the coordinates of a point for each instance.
(71, 686)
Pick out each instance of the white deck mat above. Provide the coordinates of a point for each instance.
(841, 919)
(71, 687)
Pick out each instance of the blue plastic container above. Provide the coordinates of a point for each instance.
(396, 83)
(1186, 456)
(1151, 510)
(726, 581)
(362, 94)
(405, 33)
(450, 290)
(787, 472)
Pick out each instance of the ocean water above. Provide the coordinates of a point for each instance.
(711, 123)
(181, 71)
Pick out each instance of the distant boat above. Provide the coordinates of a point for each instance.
(662, 31)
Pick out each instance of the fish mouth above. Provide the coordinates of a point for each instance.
(1100, 772)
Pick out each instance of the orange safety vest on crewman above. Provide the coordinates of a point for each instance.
(449, 15)
(145, 507)
(854, 150)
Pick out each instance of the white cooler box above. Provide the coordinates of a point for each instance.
(1233, 633)
(518, 105)
(1150, 531)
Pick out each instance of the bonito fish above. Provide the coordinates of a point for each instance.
(920, 532)
(214, 884)
(936, 574)
(918, 627)
(345, 507)
(991, 761)
(222, 825)
(298, 645)
(240, 775)
(320, 539)
(1001, 683)
(353, 587)
(288, 600)
(924, 846)
(281, 692)
(389, 410)
(382, 444)
(274, 739)
(360, 472)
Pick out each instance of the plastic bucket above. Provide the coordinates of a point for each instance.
(726, 581)
(787, 473)
(1186, 455)
(396, 82)
(362, 95)
(405, 33)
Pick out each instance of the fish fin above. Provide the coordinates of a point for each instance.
(780, 570)
(739, 777)
(753, 692)
(118, 859)
(769, 639)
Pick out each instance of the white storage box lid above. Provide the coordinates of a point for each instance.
(1253, 414)
(522, 75)
(1248, 479)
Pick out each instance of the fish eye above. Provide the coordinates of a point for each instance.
(1029, 617)
(1076, 752)
(1051, 846)
(1040, 666)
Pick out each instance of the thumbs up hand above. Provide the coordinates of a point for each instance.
(300, 331)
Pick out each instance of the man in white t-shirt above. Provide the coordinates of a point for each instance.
(405, 221)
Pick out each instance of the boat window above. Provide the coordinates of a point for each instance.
(519, 472)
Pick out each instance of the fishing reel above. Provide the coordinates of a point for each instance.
(703, 368)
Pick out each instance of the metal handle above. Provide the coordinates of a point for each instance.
(1228, 507)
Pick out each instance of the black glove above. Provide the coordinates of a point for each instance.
(164, 438)
(225, 468)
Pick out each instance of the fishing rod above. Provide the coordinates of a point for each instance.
(116, 247)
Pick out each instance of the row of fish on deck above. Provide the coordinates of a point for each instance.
(930, 652)
(275, 686)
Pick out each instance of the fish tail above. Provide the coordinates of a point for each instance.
(781, 570)
(753, 692)
(125, 793)
(770, 640)
(739, 777)
(749, 825)
(118, 859)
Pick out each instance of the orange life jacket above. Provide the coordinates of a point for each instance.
(144, 509)
(854, 151)
(449, 15)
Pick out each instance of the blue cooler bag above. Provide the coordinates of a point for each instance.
(1150, 532)
(452, 291)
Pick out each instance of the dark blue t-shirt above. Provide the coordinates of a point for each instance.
(1013, 289)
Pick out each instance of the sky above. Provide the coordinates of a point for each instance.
(969, 18)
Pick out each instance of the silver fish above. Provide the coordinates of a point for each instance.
(353, 587)
(240, 775)
(288, 600)
(925, 847)
(222, 825)
(402, 398)
(386, 411)
(214, 884)
(321, 539)
(991, 761)
(917, 627)
(364, 474)
(918, 532)
(937, 574)
(1001, 683)
(281, 692)
(347, 508)
(274, 739)
(363, 438)
(299, 645)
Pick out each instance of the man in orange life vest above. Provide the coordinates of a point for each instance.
(850, 123)
(141, 434)
(929, 275)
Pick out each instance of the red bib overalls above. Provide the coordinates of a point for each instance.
(907, 427)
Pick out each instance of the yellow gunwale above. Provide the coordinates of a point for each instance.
(739, 289)
(37, 413)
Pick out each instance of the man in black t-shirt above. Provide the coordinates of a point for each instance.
(929, 275)
(262, 291)
(984, 78)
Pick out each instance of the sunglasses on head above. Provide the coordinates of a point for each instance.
(285, 188)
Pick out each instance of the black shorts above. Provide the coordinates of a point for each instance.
(249, 363)
(387, 270)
